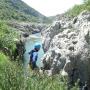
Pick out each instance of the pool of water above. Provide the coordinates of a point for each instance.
(29, 45)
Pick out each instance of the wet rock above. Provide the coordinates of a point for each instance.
(25, 35)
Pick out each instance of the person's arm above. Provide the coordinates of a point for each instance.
(35, 56)
(29, 52)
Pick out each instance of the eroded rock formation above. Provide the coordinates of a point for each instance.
(67, 47)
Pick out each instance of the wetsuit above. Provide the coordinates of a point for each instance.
(33, 59)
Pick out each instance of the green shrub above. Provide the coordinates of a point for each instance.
(7, 36)
(15, 77)
(77, 9)
(11, 75)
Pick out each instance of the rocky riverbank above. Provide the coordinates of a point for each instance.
(27, 27)
(67, 47)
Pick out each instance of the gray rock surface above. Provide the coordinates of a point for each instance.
(49, 33)
(68, 48)
(27, 27)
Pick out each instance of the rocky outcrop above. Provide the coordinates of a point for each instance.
(27, 27)
(49, 33)
(68, 48)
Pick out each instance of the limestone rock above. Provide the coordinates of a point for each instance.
(69, 49)
(49, 33)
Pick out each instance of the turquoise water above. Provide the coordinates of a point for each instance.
(30, 45)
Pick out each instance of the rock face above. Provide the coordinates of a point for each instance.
(27, 27)
(67, 48)
(49, 33)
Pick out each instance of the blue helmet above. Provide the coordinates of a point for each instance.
(37, 46)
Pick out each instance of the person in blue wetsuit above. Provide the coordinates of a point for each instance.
(34, 56)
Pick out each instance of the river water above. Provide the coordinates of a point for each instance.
(29, 45)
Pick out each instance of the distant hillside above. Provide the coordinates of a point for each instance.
(18, 10)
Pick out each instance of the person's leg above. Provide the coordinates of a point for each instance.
(30, 65)
(33, 65)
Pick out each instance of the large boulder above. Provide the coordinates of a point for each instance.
(69, 50)
(61, 46)
(49, 33)
(54, 60)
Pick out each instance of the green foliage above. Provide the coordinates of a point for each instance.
(77, 9)
(3, 58)
(7, 36)
(15, 77)
(87, 2)
(10, 75)
(18, 10)
(46, 83)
